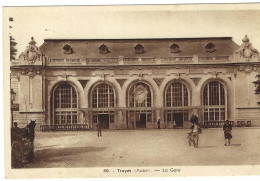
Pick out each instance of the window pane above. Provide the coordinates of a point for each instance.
(103, 96)
(214, 97)
(176, 95)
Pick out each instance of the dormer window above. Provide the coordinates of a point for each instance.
(175, 48)
(103, 49)
(139, 49)
(67, 49)
(210, 47)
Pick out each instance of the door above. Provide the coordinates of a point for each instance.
(141, 122)
(178, 118)
(104, 120)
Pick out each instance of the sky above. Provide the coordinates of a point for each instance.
(134, 22)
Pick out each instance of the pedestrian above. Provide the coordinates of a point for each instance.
(158, 123)
(99, 128)
(174, 124)
(195, 134)
(227, 127)
(195, 131)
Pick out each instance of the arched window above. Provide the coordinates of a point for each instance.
(140, 95)
(103, 96)
(214, 102)
(176, 95)
(65, 103)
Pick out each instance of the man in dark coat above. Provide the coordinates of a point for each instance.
(227, 127)
(158, 123)
(99, 128)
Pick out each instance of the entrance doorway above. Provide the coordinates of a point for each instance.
(178, 118)
(141, 122)
(104, 120)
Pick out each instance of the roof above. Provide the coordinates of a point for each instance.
(82, 48)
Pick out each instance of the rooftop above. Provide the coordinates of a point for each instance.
(159, 47)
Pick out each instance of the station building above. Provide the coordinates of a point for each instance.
(133, 83)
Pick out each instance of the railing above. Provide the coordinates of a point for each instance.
(213, 58)
(177, 60)
(65, 127)
(218, 124)
(65, 60)
(130, 60)
(137, 60)
(148, 60)
(102, 60)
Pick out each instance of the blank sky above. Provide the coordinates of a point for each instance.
(88, 23)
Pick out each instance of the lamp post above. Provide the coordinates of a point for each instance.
(13, 95)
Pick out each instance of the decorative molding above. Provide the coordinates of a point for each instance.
(175, 48)
(83, 83)
(210, 47)
(31, 72)
(158, 81)
(121, 81)
(139, 49)
(195, 80)
(67, 49)
(103, 49)
(246, 50)
(32, 53)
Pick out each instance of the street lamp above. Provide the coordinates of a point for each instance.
(13, 95)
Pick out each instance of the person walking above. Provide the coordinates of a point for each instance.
(195, 134)
(227, 127)
(174, 124)
(99, 128)
(195, 131)
(158, 123)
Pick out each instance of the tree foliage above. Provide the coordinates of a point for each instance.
(257, 84)
(13, 50)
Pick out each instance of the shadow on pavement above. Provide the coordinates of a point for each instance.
(235, 144)
(207, 146)
(51, 153)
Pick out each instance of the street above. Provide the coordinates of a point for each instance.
(154, 147)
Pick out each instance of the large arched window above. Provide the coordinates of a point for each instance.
(103, 96)
(214, 101)
(65, 104)
(176, 95)
(140, 95)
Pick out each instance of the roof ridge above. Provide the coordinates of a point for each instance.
(134, 39)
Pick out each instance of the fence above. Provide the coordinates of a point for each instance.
(218, 124)
(65, 127)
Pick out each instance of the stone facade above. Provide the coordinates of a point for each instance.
(67, 85)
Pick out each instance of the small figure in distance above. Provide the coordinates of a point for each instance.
(174, 124)
(227, 127)
(99, 128)
(158, 123)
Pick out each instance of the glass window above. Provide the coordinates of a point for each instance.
(214, 102)
(65, 103)
(176, 95)
(103, 96)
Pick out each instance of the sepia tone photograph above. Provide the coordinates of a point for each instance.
(132, 90)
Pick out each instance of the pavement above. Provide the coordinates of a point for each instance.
(153, 147)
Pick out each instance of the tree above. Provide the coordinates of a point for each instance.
(13, 50)
(257, 84)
